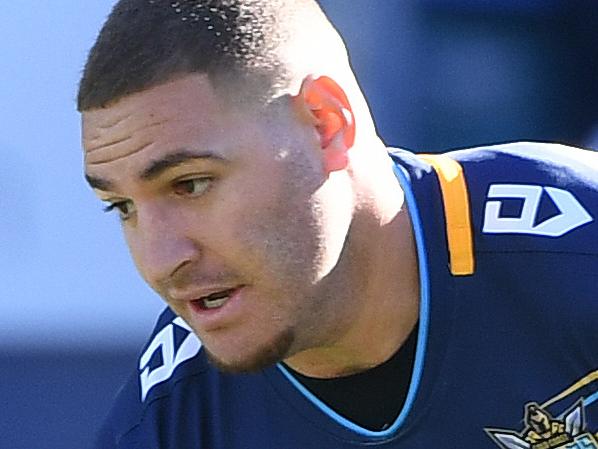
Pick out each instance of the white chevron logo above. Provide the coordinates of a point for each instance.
(572, 213)
(164, 342)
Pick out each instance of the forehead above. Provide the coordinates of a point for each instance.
(180, 94)
(164, 118)
(170, 101)
(183, 116)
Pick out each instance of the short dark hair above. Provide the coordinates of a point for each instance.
(147, 42)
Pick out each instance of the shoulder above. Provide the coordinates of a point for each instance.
(542, 196)
(168, 366)
(533, 161)
(527, 195)
(523, 160)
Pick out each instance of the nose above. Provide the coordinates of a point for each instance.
(161, 243)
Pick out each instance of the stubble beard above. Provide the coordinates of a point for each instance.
(262, 358)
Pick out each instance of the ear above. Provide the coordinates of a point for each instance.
(328, 107)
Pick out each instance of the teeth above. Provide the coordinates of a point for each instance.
(214, 303)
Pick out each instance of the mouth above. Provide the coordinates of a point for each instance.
(214, 300)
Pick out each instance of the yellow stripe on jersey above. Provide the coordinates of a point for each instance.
(457, 213)
(593, 376)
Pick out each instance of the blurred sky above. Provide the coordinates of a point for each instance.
(66, 276)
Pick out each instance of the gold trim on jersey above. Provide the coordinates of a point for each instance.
(457, 212)
(586, 380)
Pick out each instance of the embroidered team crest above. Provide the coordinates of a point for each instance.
(542, 431)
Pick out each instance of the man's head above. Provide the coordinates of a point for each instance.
(207, 127)
(266, 46)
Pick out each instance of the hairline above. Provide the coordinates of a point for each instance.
(255, 89)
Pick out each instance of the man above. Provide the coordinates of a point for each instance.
(323, 292)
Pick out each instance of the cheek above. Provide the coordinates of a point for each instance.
(280, 236)
(265, 221)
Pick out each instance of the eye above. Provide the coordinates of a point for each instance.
(193, 186)
(125, 208)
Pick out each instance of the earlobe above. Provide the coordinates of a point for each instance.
(328, 105)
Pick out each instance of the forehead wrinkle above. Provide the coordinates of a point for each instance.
(115, 121)
(120, 156)
(119, 140)
(109, 144)
(96, 123)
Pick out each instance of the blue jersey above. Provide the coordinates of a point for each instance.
(507, 349)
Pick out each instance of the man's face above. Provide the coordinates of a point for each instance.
(225, 211)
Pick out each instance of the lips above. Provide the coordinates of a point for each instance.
(214, 300)
(211, 308)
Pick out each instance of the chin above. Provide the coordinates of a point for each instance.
(260, 358)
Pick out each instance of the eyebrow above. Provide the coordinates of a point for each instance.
(98, 183)
(157, 167)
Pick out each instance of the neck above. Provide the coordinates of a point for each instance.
(381, 288)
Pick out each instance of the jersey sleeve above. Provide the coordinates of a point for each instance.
(120, 419)
(169, 356)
